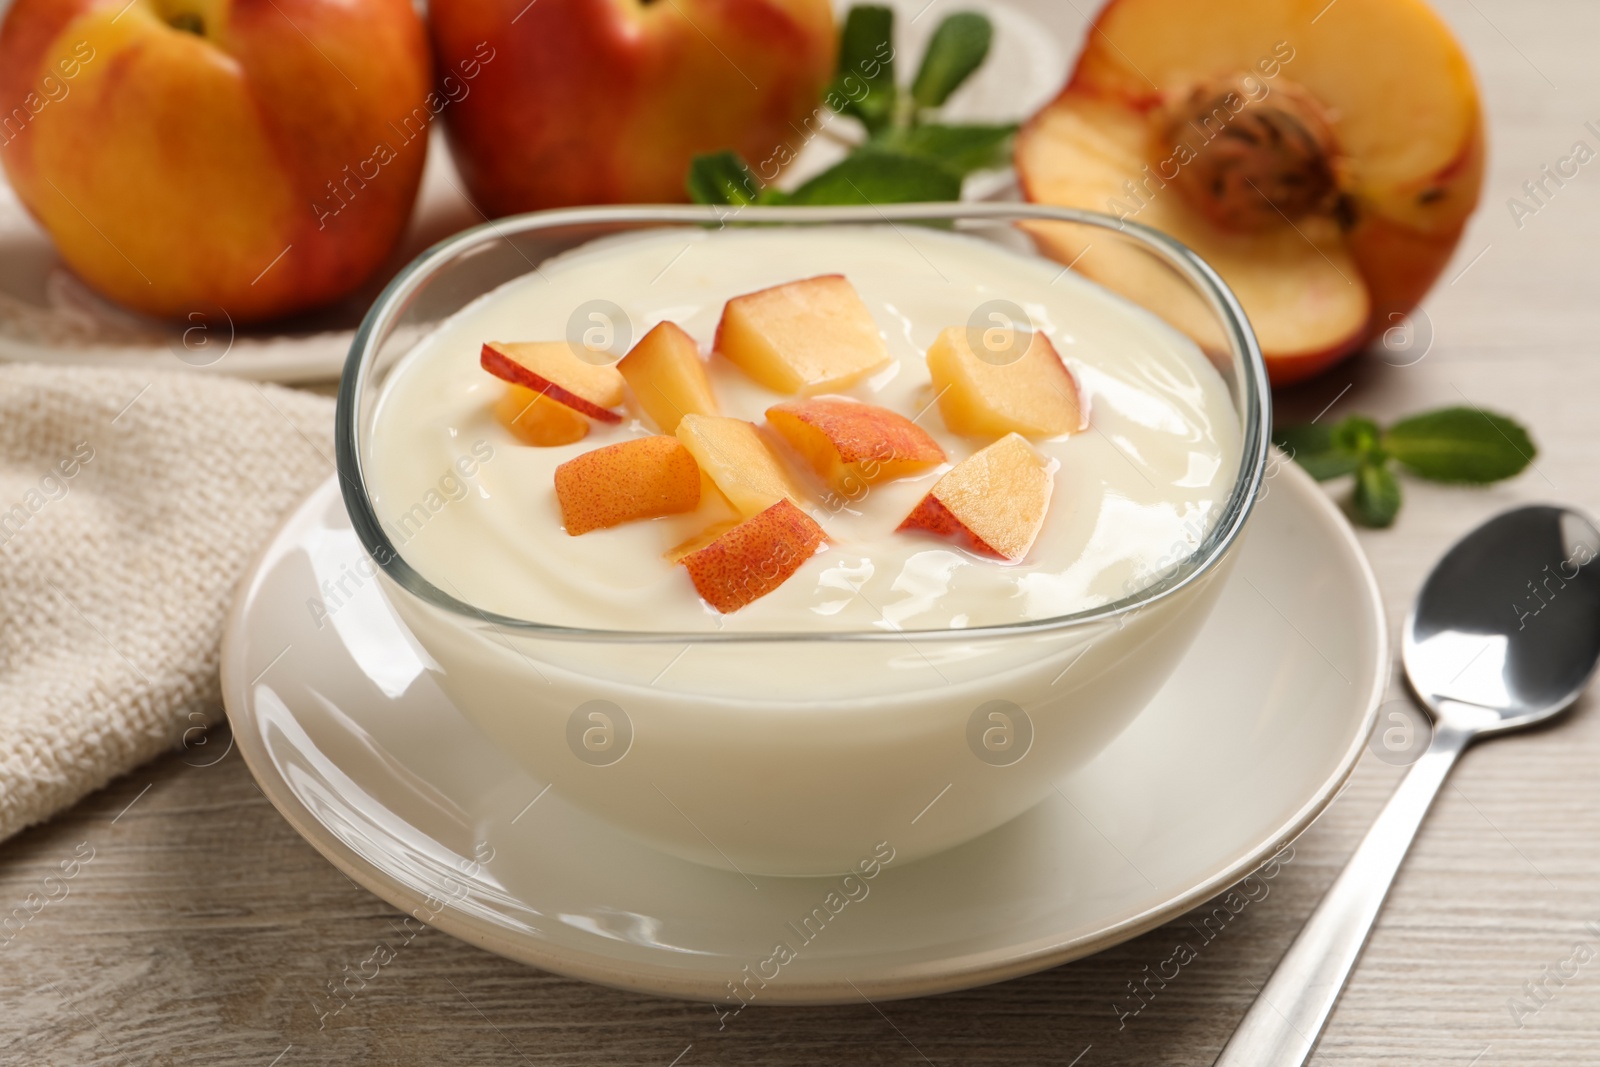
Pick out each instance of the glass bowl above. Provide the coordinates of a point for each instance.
(811, 753)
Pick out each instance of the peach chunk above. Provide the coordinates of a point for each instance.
(1000, 381)
(639, 479)
(739, 461)
(535, 419)
(668, 377)
(755, 557)
(551, 368)
(850, 443)
(808, 336)
(994, 501)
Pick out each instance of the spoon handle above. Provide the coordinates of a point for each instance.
(1283, 1025)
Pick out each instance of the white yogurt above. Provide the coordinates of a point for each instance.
(1133, 493)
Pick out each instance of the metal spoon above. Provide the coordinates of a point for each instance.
(1505, 633)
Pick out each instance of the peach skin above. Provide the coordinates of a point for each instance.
(849, 443)
(644, 478)
(753, 558)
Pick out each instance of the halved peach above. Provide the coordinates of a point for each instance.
(994, 501)
(1299, 286)
(1006, 382)
(850, 443)
(808, 336)
(739, 461)
(644, 478)
(534, 419)
(552, 368)
(753, 558)
(1329, 199)
(668, 377)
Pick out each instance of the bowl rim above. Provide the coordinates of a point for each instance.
(397, 295)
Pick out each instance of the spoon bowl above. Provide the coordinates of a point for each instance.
(1509, 619)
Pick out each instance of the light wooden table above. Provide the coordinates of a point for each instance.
(203, 926)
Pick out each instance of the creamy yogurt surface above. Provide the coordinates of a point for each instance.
(474, 510)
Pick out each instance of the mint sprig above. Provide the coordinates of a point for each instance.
(863, 81)
(960, 149)
(958, 47)
(908, 156)
(873, 177)
(1462, 445)
(724, 178)
(1375, 499)
(1455, 445)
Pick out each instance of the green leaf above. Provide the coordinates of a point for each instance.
(1460, 445)
(1357, 435)
(722, 178)
(1306, 439)
(1312, 447)
(1376, 500)
(957, 48)
(863, 84)
(961, 148)
(870, 176)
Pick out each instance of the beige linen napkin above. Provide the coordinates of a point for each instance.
(130, 505)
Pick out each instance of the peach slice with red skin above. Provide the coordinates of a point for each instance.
(1001, 381)
(668, 377)
(739, 462)
(806, 336)
(644, 478)
(552, 368)
(850, 443)
(752, 559)
(534, 419)
(993, 502)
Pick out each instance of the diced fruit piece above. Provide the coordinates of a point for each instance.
(668, 377)
(808, 336)
(739, 460)
(986, 388)
(535, 419)
(1327, 199)
(639, 479)
(552, 368)
(851, 444)
(755, 557)
(994, 501)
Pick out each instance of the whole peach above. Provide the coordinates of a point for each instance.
(255, 156)
(607, 101)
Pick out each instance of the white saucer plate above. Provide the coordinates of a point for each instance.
(347, 734)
